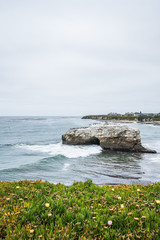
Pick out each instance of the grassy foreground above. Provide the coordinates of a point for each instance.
(41, 210)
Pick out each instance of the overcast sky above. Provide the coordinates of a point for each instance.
(78, 57)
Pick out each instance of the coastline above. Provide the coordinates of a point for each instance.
(39, 154)
(122, 121)
(133, 121)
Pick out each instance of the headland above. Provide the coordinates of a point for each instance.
(139, 117)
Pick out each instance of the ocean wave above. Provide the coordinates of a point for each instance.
(68, 151)
(44, 164)
(26, 119)
(6, 145)
(153, 145)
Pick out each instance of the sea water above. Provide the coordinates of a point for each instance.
(31, 148)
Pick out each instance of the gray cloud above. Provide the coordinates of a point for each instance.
(79, 57)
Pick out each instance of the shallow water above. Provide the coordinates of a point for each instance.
(31, 148)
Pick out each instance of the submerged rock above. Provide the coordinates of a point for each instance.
(116, 138)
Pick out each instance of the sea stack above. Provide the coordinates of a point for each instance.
(109, 137)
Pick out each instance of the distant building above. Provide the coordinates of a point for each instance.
(129, 114)
(137, 114)
(114, 114)
(149, 114)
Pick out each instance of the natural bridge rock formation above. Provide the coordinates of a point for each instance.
(109, 137)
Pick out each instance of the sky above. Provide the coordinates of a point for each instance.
(79, 57)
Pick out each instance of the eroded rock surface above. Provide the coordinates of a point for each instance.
(109, 137)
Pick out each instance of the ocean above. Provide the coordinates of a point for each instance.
(31, 148)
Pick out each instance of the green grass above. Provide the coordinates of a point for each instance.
(41, 210)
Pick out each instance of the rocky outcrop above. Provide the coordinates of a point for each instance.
(109, 137)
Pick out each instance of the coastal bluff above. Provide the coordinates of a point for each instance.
(109, 137)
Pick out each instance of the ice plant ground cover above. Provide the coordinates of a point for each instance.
(41, 210)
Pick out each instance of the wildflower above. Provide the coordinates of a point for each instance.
(119, 198)
(32, 231)
(138, 190)
(158, 201)
(47, 204)
(17, 186)
(49, 214)
(112, 189)
(122, 206)
(109, 222)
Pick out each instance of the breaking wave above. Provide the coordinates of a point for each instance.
(68, 151)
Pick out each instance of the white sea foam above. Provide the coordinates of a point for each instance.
(66, 166)
(154, 145)
(61, 149)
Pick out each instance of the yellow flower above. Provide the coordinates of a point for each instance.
(158, 201)
(47, 204)
(122, 206)
(112, 189)
(119, 198)
(138, 190)
(17, 186)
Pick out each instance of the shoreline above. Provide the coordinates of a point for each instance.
(124, 121)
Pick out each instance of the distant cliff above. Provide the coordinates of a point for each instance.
(110, 117)
(155, 118)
